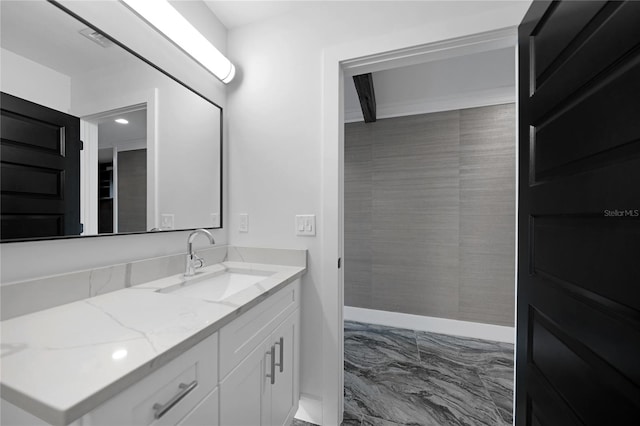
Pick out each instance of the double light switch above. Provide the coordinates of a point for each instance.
(306, 224)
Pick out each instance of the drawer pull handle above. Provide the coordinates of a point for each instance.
(281, 363)
(272, 355)
(161, 409)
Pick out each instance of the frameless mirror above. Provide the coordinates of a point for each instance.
(96, 140)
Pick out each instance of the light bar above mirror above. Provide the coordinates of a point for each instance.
(160, 171)
(168, 21)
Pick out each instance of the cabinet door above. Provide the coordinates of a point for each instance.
(245, 394)
(284, 393)
(205, 413)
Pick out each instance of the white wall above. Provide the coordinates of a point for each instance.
(21, 261)
(34, 82)
(275, 123)
(129, 145)
(188, 132)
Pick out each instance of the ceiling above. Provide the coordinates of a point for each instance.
(111, 133)
(236, 13)
(411, 89)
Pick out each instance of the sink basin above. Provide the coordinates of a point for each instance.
(216, 287)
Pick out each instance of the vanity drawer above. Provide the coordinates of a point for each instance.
(241, 336)
(170, 393)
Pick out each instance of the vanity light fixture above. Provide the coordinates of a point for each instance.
(166, 19)
(121, 121)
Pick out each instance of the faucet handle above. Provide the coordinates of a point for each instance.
(198, 262)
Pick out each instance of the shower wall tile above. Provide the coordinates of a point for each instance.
(415, 214)
(487, 160)
(357, 215)
(487, 214)
(429, 214)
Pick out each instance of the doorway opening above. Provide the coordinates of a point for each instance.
(429, 242)
(335, 192)
(118, 182)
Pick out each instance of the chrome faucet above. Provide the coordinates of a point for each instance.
(194, 262)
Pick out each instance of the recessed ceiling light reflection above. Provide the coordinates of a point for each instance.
(121, 121)
(119, 354)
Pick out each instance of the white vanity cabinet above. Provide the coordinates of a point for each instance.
(259, 359)
(182, 392)
(244, 374)
(284, 390)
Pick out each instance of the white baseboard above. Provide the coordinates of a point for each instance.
(432, 324)
(309, 409)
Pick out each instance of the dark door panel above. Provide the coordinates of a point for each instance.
(33, 226)
(34, 181)
(597, 56)
(558, 31)
(30, 133)
(578, 325)
(602, 121)
(31, 156)
(586, 384)
(606, 331)
(40, 170)
(584, 250)
(582, 190)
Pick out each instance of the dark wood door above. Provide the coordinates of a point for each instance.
(40, 168)
(578, 325)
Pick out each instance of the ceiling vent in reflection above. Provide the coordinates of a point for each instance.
(96, 37)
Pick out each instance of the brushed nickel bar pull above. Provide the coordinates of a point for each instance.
(281, 363)
(161, 409)
(272, 354)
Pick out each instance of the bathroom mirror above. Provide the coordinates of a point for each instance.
(148, 150)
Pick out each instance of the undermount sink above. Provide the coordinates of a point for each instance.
(218, 286)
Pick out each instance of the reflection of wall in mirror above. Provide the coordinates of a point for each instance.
(188, 152)
(34, 82)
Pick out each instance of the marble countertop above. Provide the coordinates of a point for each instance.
(61, 363)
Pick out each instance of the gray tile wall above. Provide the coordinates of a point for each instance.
(429, 214)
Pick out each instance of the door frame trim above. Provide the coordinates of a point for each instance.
(413, 46)
(143, 99)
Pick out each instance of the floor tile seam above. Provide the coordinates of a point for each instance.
(384, 365)
(465, 366)
(493, 401)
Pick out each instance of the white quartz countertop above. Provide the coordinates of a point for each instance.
(63, 362)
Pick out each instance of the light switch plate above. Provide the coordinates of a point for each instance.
(244, 222)
(167, 221)
(306, 225)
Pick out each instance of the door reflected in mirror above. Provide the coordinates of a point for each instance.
(151, 147)
(122, 170)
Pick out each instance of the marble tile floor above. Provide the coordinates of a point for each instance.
(404, 377)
